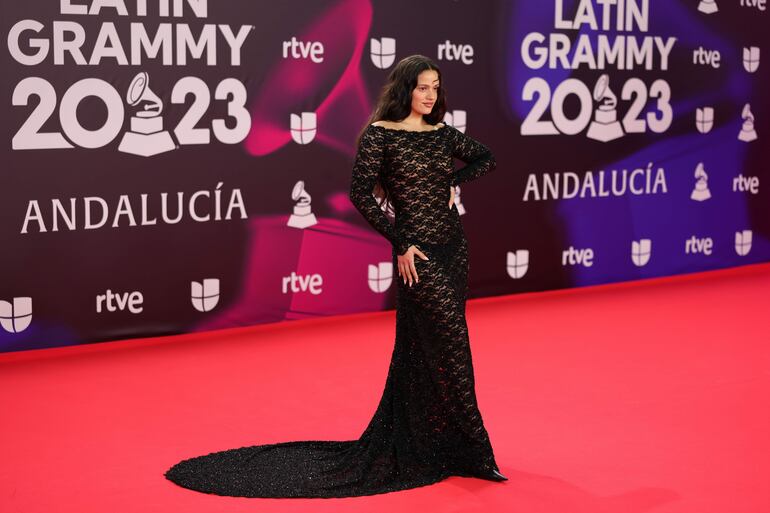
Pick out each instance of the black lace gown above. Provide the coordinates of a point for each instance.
(427, 425)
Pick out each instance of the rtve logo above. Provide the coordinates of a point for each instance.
(303, 127)
(382, 51)
(16, 316)
(517, 263)
(294, 49)
(116, 301)
(448, 51)
(380, 276)
(641, 251)
(704, 57)
(695, 245)
(746, 184)
(205, 295)
(743, 242)
(297, 283)
(574, 256)
(756, 4)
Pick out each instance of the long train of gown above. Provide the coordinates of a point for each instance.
(427, 425)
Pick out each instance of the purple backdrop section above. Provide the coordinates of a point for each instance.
(185, 166)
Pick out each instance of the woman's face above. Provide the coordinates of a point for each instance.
(425, 94)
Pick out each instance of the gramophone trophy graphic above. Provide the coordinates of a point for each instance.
(146, 137)
(708, 6)
(701, 191)
(302, 216)
(605, 126)
(748, 133)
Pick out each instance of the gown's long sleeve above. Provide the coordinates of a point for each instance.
(366, 168)
(478, 158)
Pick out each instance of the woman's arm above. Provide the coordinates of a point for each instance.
(478, 158)
(366, 168)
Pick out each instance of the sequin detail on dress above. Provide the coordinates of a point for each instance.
(427, 425)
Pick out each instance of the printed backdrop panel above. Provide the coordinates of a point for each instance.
(172, 166)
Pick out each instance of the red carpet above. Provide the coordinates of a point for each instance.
(648, 396)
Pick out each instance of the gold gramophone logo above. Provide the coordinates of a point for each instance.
(146, 136)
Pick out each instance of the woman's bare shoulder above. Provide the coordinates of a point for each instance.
(384, 124)
(398, 126)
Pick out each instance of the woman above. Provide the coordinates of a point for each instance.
(427, 425)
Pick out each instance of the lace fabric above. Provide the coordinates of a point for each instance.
(417, 168)
(427, 425)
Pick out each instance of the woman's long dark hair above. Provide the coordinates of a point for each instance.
(395, 101)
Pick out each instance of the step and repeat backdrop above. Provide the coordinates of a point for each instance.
(171, 166)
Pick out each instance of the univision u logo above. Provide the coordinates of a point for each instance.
(743, 242)
(641, 251)
(457, 118)
(751, 59)
(382, 51)
(380, 276)
(16, 316)
(704, 119)
(205, 296)
(303, 127)
(517, 263)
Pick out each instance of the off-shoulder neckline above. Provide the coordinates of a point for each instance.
(410, 131)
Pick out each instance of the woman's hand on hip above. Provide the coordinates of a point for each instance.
(406, 267)
(451, 196)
